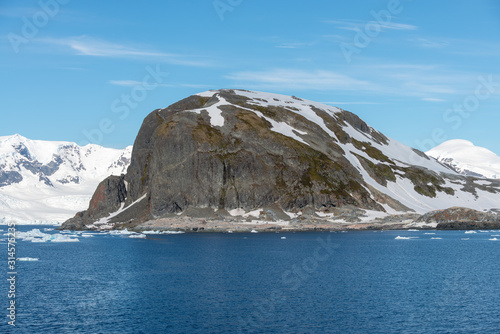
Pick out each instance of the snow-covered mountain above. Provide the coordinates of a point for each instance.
(45, 181)
(467, 159)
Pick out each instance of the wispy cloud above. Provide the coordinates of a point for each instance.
(201, 86)
(133, 83)
(426, 43)
(298, 79)
(425, 82)
(343, 103)
(17, 12)
(432, 99)
(356, 25)
(87, 46)
(289, 46)
(295, 45)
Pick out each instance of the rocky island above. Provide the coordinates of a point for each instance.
(236, 160)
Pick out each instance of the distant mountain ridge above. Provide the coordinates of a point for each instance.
(238, 153)
(467, 159)
(47, 181)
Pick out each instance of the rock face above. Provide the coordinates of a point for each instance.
(227, 150)
(458, 218)
(108, 196)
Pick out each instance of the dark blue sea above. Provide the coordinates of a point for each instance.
(354, 282)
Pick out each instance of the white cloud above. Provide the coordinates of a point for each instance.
(87, 46)
(133, 83)
(426, 43)
(18, 12)
(299, 79)
(432, 99)
(202, 86)
(398, 26)
(342, 103)
(356, 25)
(289, 46)
(125, 82)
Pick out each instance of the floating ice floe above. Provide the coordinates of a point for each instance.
(470, 232)
(436, 238)
(429, 233)
(61, 238)
(283, 238)
(465, 238)
(404, 238)
(121, 232)
(27, 259)
(493, 239)
(36, 235)
(163, 232)
(137, 236)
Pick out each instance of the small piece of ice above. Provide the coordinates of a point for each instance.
(162, 232)
(137, 236)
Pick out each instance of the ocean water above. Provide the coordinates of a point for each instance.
(354, 282)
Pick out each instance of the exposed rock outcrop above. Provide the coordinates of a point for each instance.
(458, 218)
(229, 151)
(108, 197)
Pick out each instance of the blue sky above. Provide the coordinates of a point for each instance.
(419, 71)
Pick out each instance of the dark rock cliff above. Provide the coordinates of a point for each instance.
(180, 161)
(225, 150)
(458, 218)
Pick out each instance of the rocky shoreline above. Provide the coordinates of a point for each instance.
(341, 219)
(197, 225)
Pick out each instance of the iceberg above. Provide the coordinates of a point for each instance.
(137, 236)
(36, 235)
(121, 232)
(163, 232)
(27, 259)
